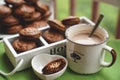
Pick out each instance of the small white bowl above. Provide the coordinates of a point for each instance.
(39, 62)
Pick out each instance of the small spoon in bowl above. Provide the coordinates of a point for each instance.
(97, 24)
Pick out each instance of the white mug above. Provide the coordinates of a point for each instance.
(87, 58)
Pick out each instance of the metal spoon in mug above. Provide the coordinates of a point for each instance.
(97, 24)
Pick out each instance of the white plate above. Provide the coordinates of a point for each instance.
(48, 2)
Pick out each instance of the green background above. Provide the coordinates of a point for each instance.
(84, 8)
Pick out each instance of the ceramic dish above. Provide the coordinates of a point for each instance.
(39, 61)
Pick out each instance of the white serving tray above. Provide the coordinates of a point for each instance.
(47, 2)
(53, 48)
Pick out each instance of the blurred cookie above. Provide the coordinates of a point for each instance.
(29, 33)
(57, 25)
(21, 45)
(52, 36)
(10, 21)
(14, 2)
(70, 21)
(5, 11)
(12, 29)
(37, 24)
(24, 11)
(34, 16)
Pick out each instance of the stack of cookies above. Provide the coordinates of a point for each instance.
(28, 39)
(18, 14)
(57, 28)
(55, 33)
(8, 22)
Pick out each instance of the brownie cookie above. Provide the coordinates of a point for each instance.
(21, 45)
(10, 20)
(12, 29)
(24, 10)
(57, 25)
(5, 11)
(52, 36)
(72, 20)
(34, 16)
(14, 2)
(43, 8)
(29, 33)
(37, 24)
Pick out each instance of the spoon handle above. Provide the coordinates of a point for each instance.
(97, 24)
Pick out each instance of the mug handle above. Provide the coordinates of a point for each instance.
(14, 70)
(113, 54)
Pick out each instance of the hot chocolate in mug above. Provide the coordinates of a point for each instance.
(85, 54)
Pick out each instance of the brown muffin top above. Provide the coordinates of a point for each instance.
(20, 45)
(55, 24)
